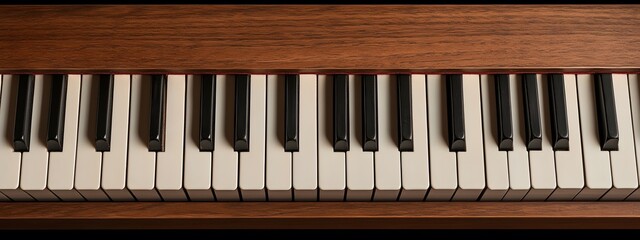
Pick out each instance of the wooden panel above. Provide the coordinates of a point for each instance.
(321, 215)
(322, 38)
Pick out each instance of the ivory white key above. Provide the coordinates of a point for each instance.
(114, 169)
(11, 161)
(623, 162)
(224, 176)
(360, 178)
(35, 162)
(542, 163)
(197, 165)
(569, 167)
(597, 166)
(496, 160)
(88, 161)
(305, 161)
(444, 176)
(170, 162)
(278, 163)
(141, 162)
(252, 163)
(518, 159)
(634, 94)
(415, 165)
(387, 159)
(62, 164)
(331, 165)
(471, 180)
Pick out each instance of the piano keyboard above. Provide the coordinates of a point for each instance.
(455, 137)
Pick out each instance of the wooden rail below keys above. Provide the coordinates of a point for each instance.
(361, 215)
(318, 38)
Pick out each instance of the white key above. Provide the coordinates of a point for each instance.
(252, 162)
(11, 161)
(169, 169)
(471, 180)
(542, 162)
(141, 162)
(224, 176)
(331, 165)
(444, 177)
(35, 162)
(518, 159)
(305, 161)
(623, 162)
(197, 165)
(360, 180)
(88, 161)
(387, 158)
(62, 164)
(597, 166)
(114, 169)
(496, 160)
(569, 168)
(415, 165)
(634, 94)
(278, 163)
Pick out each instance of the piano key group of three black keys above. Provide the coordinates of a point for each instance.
(607, 122)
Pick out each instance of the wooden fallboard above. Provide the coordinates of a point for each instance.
(319, 38)
(366, 215)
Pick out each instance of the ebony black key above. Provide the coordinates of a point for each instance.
(207, 112)
(105, 108)
(57, 102)
(24, 107)
(503, 112)
(241, 118)
(558, 112)
(533, 132)
(405, 121)
(370, 112)
(607, 117)
(341, 113)
(455, 113)
(291, 112)
(157, 117)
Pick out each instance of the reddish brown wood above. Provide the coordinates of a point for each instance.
(323, 38)
(321, 215)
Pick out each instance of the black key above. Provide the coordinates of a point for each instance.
(558, 112)
(533, 132)
(341, 113)
(105, 108)
(207, 112)
(24, 107)
(241, 120)
(157, 117)
(291, 112)
(405, 121)
(370, 112)
(455, 113)
(607, 117)
(503, 111)
(58, 100)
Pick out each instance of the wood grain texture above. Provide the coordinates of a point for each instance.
(321, 215)
(319, 38)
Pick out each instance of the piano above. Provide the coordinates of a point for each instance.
(308, 116)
